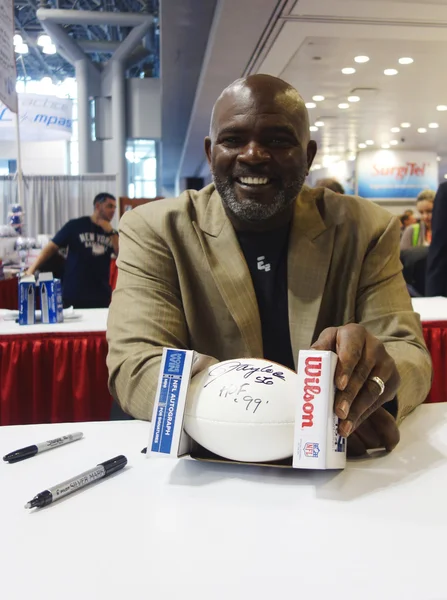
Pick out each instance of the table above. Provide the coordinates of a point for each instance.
(54, 373)
(173, 529)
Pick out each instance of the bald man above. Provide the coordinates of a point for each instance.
(259, 265)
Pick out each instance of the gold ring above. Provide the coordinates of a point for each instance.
(380, 383)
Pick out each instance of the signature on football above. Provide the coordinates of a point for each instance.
(267, 375)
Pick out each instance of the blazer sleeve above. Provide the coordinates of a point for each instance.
(436, 275)
(407, 238)
(384, 307)
(145, 315)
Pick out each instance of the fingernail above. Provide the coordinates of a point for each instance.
(347, 428)
(344, 408)
(343, 382)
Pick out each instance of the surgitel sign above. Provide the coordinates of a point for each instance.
(391, 174)
(400, 172)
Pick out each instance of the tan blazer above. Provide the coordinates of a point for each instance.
(183, 282)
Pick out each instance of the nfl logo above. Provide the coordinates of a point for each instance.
(311, 449)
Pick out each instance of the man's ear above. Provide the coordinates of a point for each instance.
(311, 152)
(208, 149)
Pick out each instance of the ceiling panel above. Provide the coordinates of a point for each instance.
(317, 40)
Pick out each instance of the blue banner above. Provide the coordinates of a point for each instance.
(396, 174)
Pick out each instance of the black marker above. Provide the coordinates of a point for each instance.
(30, 451)
(76, 483)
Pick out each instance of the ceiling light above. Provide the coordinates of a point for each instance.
(386, 146)
(361, 59)
(422, 130)
(390, 72)
(394, 142)
(353, 98)
(433, 125)
(343, 105)
(445, 176)
(348, 71)
(44, 40)
(406, 60)
(318, 98)
(362, 146)
(369, 142)
(50, 49)
(319, 123)
(17, 39)
(405, 125)
(438, 158)
(395, 129)
(22, 48)
(313, 128)
(310, 105)
(352, 157)
(441, 107)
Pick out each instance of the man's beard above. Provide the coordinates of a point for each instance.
(249, 209)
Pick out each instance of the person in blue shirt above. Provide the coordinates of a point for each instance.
(90, 241)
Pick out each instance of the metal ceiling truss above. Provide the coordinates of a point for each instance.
(99, 39)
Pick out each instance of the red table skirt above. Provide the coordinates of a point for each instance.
(47, 378)
(56, 378)
(435, 334)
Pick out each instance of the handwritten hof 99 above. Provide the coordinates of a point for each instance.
(243, 394)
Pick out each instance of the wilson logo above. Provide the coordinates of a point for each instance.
(311, 389)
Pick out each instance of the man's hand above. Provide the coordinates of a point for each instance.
(106, 225)
(379, 430)
(358, 400)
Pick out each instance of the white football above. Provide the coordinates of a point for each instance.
(243, 410)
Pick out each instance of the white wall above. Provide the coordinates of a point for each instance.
(39, 158)
(143, 108)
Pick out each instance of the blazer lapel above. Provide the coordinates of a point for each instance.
(230, 272)
(310, 251)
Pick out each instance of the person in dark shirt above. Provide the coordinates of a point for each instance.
(90, 242)
(436, 276)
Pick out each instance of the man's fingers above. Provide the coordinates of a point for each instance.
(349, 348)
(326, 340)
(369, 436)
(355, 446)
(386, 427)
(365, 365)
(378, 431)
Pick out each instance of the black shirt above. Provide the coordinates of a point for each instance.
(266, 257)
(87, 269)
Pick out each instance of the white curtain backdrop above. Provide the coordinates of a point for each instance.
(51, 201)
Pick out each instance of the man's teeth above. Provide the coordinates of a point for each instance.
(254, 180)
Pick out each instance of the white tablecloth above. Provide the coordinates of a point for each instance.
(431, 309)
(184, 530)
(94, 319)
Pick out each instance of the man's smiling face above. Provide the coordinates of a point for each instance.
(259, 149)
